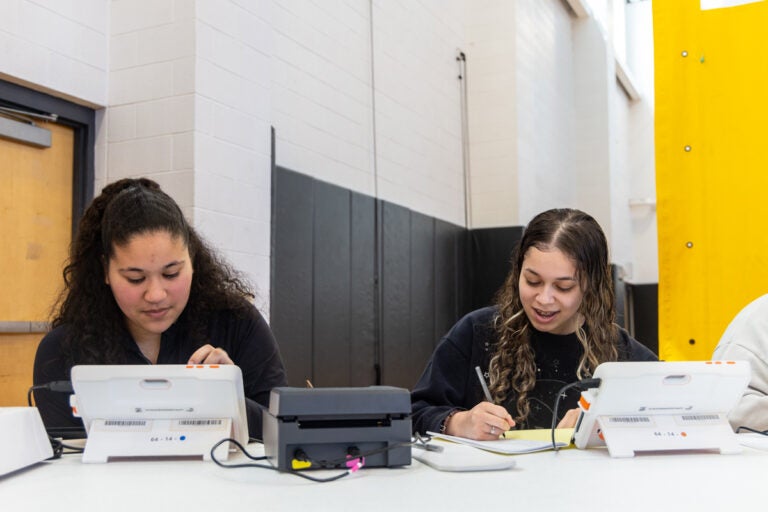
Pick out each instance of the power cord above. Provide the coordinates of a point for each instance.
(581, 384)
(354, 460)
(59, 386)
(748, 429)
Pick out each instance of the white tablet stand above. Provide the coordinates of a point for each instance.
(627, 435)
(159, 411)
(114, 440)
(662, 407)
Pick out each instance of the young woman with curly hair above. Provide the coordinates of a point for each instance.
(141, 287)
(552, 324)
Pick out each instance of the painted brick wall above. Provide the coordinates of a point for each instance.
(150, 121)
(492, 113)
(322, 91)
(418, 106)
(545, 72)
(233, 112)
(59, 47)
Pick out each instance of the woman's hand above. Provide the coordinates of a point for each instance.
(207, 354)
(484, 422)
(570, 419)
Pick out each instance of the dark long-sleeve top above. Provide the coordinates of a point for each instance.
(450, 380)
(246, 338)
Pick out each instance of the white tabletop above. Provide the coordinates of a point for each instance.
(573, 479)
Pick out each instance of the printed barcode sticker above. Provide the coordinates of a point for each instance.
(125, 423)
(199, 423)
(700, 417)
(629, 419)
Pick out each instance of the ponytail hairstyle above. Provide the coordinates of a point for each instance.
(125, 209)
(580, 238)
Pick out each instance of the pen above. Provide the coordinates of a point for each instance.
(482, 383)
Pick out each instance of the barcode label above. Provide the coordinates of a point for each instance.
(125, 423)
(199, 423)
(629, 419)
(701, 417)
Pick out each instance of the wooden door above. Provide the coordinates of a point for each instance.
(35, 231)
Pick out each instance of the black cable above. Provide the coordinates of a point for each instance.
(361, 456)
(335, 462)
(748, 429)
(264, 466)
(59, 386)
(582, 384)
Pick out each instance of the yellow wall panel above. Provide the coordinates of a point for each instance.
(711, 70)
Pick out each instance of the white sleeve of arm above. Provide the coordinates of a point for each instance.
(752, 409)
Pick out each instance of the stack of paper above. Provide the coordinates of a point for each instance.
(516, 441)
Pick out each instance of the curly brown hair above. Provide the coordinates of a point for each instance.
(578, 236)
(87, 306)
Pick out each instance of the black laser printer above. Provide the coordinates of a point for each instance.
(325, 427)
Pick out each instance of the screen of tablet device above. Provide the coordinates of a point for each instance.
(159, 411)
(662, 406)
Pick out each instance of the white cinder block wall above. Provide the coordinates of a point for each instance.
(233, 114)
(418, 105)
(362, 94)
(56, 47)
(558, 130)
(322, 102)
(492, 113)
(548, 124)
(150, 115)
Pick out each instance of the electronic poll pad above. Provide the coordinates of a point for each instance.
(654, 406)
(159, 411)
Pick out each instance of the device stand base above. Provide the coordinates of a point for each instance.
(626, 435)
(110, 440)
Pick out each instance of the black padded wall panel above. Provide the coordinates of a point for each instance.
(408, 303)
(337, 321)
(332, 277)
(490, 261)
(363, 319)
(422, 314)
(395, 293)
(292, 296)
(642, 313)
(322, 281)
(451, 287)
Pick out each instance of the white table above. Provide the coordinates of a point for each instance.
(547, 481)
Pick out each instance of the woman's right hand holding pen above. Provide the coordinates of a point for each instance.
(484, 422)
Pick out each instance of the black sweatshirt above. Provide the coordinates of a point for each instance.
(450, 381)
